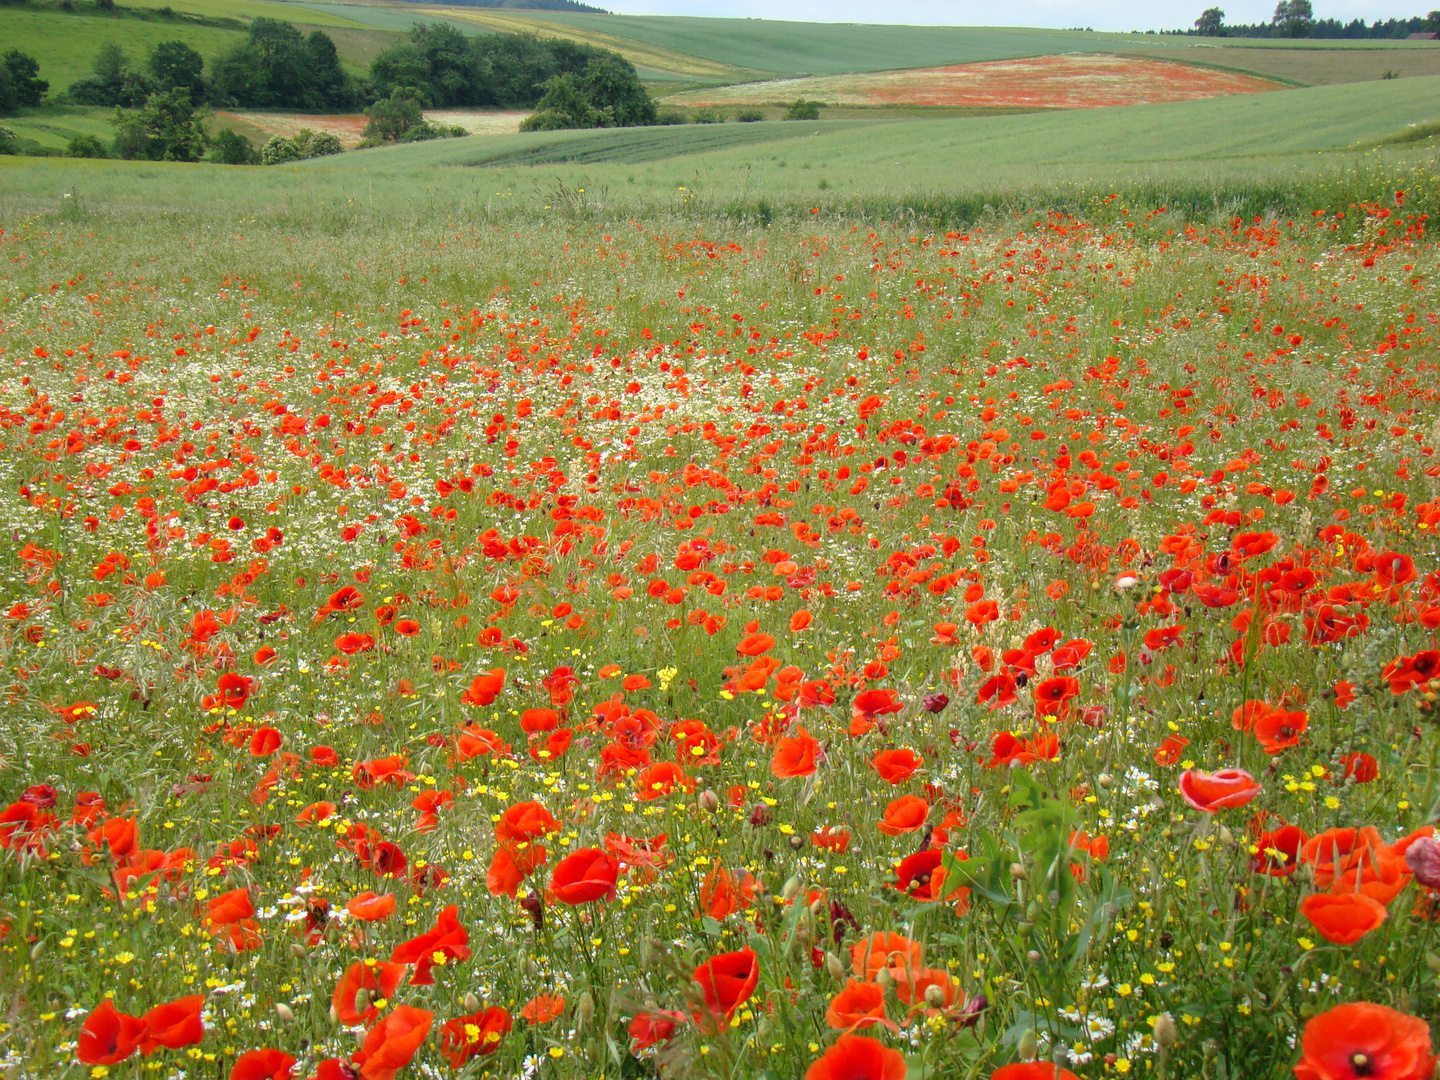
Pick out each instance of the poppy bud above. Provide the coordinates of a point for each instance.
(1166, 1035)
(1029, 1046)
(791, 889)
(1105, 780)
(1423, 858)
(709, 801)
(973, 1010)
(37, 950)
(362, 1000)
(284, 1012)
(584, 1010)
(885, 980)
(935, 703)
(334, 1015)
(761, 815)
(935, 996)
(471, 1003)
(1032, 957)
(1017, 871)
(834, 966)
(299, 951)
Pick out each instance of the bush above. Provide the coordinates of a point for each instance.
(749, 116)
(392, 117)
(279, 150)
(86, 146)
(8, 139)
(232, 148)
(317, 143)
(804, 110)
(708, 116)
(166, 128)
(426, 130)
(668, 119)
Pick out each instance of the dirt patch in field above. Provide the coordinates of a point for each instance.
(1081, 81)
(349, 128)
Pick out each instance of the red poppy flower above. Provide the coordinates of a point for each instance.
(660, 780)
(511, 865)
(903, 815)
(265, 741)
(586, 875)
(263, 1065)
(755, 644)
(353, 643)
(1343, 918)
(1279, 729)
(392, 1042)
(649, 1028)
(727, 981)
(795, 756)
(525, 821)
(1217, 791)
(475, 1035)
(859, 1005)
(1169, 751)
(108, 1036)
(378, 980)
(175, 1024)
(484, 688)
(1279, 852)
(447, 939)
(886, 950)
(543, 1008)
(229, 907)
(858, 1057)
(868, 706)
(1363, 1040)
(896, 766)
(233, 690)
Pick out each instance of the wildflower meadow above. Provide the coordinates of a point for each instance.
(674, 647)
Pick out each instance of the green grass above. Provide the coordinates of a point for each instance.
(53, 126)
(66, 44)
(252, 9)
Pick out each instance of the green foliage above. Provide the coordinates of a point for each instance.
(8, 140)
(393, 116)
(803, 110)
(168, 127)
(597, 88)
(707, 116)
(173, 64)
(1294, 17)
(113, 81)
(229, 147)
(22, 77)
(1211, 23)
(278, 67)
(749, 116)
(305, 144)
(86, 146)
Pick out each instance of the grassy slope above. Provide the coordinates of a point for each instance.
(1271, 138)
(65, 45)
(1311, 67)
(249, 9)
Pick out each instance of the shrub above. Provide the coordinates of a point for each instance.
(708, 116)
(668, 119)
(317, 143)
(749, 116)
(166, 128)
(279, 150)
(392, 117)
(803, 110)
(232, 148)
(8, 139)
(86, 146)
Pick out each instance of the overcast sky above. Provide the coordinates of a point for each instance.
(1100, 15)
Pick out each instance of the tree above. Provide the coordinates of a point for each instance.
(231, 148)
(1211, 23)
(392, 117)
(85, 146)
(24, 78)
(173, 63)
(1294, 17)
(611, 83)
(277, 67)
(803, 110)
(564, 105)
(167, 127)
(113, 81)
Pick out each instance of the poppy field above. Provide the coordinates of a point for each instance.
(671, 647)
(1075, 81)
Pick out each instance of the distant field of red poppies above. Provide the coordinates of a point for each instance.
(1073, 81)
(571, 648)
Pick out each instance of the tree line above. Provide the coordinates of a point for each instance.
(1296, 19)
